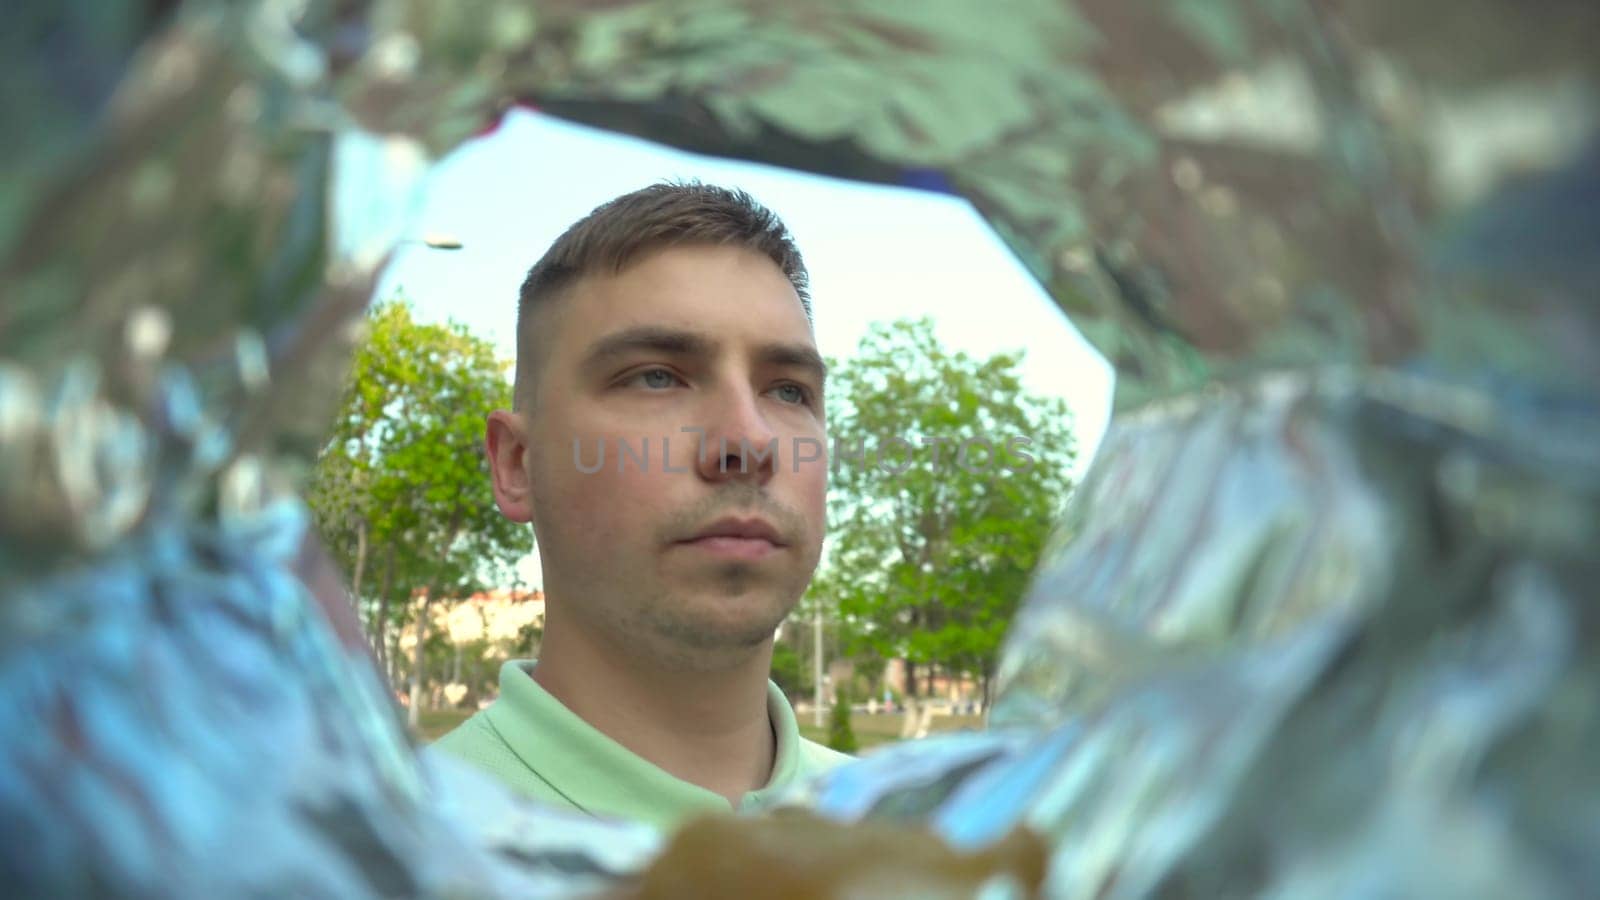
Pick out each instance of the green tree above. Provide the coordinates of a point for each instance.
(788, 669)
(402, 485)
(947, 479)
(841, 735)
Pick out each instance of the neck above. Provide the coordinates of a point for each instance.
(707, 727)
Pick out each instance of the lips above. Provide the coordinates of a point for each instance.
(736, 540)
(743, 529)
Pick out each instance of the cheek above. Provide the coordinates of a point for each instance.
(598, 503)
(811, 490)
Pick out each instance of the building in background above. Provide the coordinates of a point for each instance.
(482, 631)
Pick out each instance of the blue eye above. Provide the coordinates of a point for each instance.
(657, 378)
(792, 393)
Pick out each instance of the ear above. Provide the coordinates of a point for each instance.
(505, 439)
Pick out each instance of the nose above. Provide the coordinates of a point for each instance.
(739, 444)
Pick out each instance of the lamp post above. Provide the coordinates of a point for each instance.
(816, 658)
(434, 241)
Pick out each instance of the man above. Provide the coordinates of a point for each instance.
(666, 443)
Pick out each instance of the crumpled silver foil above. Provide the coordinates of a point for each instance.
(1321, 620)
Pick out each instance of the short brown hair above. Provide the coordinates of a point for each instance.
(662, 215)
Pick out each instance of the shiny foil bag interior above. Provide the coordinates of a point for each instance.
(1320, 621)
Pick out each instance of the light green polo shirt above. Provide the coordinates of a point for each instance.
(533, 743)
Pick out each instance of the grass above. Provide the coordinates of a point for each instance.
(871, 730)
(435, 722)
(875, 730)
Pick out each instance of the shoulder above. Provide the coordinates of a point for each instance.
(476, 741)
(480, 744)
(469, 739)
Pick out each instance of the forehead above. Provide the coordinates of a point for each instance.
(728, 293)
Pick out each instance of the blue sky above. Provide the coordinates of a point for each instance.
(875, 253)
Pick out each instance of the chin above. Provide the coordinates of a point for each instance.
(715, 629)
(748, 631)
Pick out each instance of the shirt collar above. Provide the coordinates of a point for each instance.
(601, 776)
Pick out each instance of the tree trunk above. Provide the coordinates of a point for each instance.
(380, 628)
(908, 725)
(816, 674)
(394, 659)
(414, 714)
(361, 562)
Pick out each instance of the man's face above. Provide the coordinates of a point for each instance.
(689, 544)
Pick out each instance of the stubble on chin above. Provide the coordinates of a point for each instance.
(737, 611)
(715, 625)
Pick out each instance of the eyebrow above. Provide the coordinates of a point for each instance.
(647, 337)
(796, 356)
(676, 342)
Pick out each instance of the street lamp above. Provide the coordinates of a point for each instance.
(434, 241)
(816, 680)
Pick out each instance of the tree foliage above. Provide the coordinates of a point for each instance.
(789, 672)
(947, 479)
(841, 734)
(401, 492)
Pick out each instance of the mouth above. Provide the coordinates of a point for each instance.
(733, 538)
